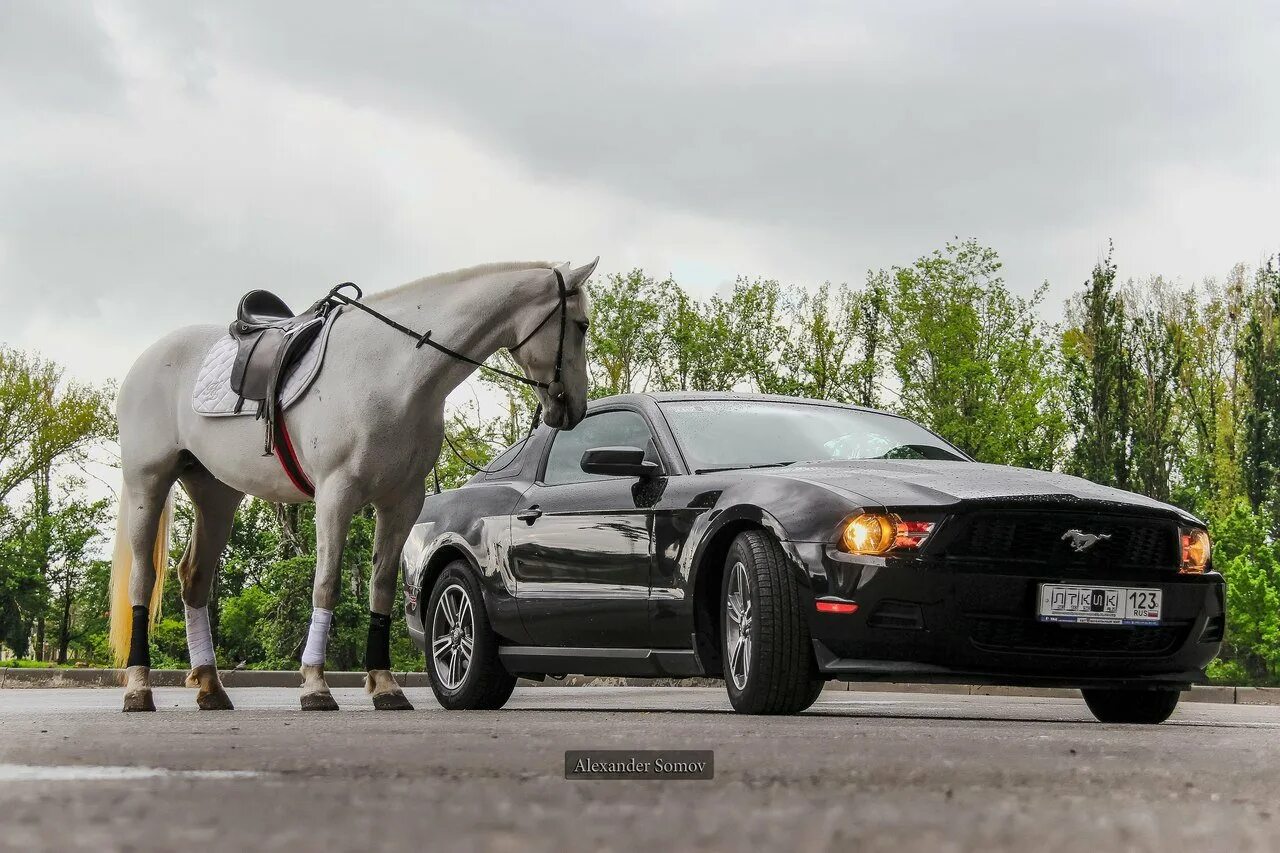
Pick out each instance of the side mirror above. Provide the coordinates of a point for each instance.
(618, 462)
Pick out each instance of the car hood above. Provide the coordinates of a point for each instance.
(942, 483)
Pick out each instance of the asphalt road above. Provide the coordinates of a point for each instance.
(864, 771)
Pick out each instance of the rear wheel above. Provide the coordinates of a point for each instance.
(1113, 705)
(462, 650)
(768, 658)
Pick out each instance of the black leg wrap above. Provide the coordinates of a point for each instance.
(377, 651)
(139, 647)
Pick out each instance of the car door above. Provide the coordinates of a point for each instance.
(582, 544)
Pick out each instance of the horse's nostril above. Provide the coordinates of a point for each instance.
(556, 390)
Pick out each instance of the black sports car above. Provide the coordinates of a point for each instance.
(780, 543)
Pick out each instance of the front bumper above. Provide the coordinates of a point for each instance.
(922, 620)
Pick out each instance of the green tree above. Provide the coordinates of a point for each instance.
(48, 425)
(699, 350)
(1099, 380)
(626, 342)
(819, 353)
(973, 361)
(1249, 559)
(1212, 390)
(871, 330)
(74, 529)
(1260, 354)
(1158, 346)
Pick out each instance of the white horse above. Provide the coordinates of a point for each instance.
(367, 432)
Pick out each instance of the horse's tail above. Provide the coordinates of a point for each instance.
(121, 570)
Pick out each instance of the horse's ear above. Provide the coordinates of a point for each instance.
(578, 277)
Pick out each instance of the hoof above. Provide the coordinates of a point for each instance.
(319, 702)
(139, 700)
(391, 702)
(216, 700)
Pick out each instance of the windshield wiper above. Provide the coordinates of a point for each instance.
(742, 467)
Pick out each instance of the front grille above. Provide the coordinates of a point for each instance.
(1037, 537)
(1026, 635)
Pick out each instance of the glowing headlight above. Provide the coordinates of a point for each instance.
(878, 533)
(1195, 550)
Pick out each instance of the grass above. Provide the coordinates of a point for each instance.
(26, 663)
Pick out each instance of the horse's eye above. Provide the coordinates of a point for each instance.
(584, 325)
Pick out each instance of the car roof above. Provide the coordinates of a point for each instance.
(726, 396)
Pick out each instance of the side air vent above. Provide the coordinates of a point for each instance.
(1213, 630)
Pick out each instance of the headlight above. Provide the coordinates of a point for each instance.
(1195, 550)
(879, 533)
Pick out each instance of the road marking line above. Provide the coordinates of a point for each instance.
(93, 773)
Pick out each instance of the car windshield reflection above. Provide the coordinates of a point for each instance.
(717, 435)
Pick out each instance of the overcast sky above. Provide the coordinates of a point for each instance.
(158, 159)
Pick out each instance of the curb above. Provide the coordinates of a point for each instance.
(18, 679)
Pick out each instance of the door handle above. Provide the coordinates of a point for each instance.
(529, 515)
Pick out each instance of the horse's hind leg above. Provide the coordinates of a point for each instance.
(395, 520)
(148, 497)
(215, 508)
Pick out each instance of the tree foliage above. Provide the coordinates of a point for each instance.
(1143, 384)
(973, 361)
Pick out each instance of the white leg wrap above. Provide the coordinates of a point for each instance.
(199, 637)
(317, 637)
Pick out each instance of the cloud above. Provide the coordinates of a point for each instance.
(159, 159)
(56, 57)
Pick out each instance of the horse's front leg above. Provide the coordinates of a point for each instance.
(334, 511)
(395, 520)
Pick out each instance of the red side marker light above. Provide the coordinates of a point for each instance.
(837, 607)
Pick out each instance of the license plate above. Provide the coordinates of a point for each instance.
(1099, 605)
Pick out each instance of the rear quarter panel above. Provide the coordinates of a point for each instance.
(471, 523)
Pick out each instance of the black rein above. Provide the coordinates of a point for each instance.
(552, 387)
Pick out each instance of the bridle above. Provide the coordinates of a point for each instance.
(554, 388)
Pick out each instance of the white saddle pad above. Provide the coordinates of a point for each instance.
(213, 397)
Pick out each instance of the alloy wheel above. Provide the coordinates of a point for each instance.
(452, 636)
(738, 625)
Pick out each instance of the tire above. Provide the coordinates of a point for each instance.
(781, 675)
(1149, 707)
(481, 683)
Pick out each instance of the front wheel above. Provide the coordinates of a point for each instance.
(462, 652)
(768, 657)
(1114, 705)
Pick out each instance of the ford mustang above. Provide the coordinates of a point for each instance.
(780, 543)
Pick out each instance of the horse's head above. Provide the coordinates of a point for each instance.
(551, 331)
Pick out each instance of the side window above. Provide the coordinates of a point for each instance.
(607, 429)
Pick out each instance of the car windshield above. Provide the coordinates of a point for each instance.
(715, 434)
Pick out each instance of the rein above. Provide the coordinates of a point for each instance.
(424, 338)
(554, 388)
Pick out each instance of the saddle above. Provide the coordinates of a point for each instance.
(269, 339)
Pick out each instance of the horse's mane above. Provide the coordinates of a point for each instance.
(444, 278)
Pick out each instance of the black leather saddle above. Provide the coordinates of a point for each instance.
(261, 308)
(270, 339)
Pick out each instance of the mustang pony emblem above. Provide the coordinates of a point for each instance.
(1081, 541)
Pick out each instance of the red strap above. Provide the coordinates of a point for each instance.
(289, 459)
